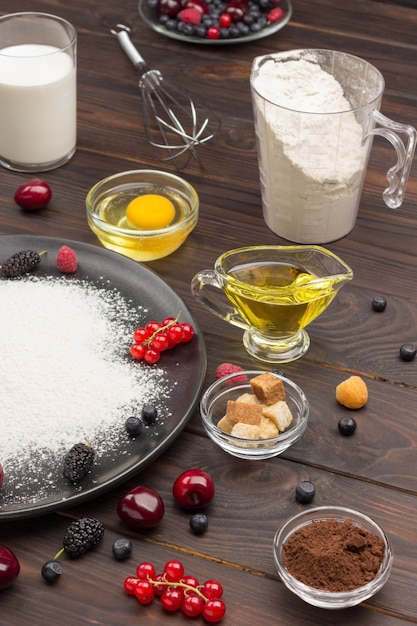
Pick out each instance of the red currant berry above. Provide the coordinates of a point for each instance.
(191, 581)
(144, 591)
(129, 585)
(213, 32)
(160, 342)
(212, 589)
(174, 571)
(168, 320)
(172, 599)
(152, 327)
(225, 20)
(192, 605)
(174, 333)
(145, 570)
(137, 351)
(151, 356)
(187, 332)
(214, 611)
(140, 335)
(159, 586)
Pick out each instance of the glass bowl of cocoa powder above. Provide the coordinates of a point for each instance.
(332, 557)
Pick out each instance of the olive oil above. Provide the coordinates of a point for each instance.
(277, 299)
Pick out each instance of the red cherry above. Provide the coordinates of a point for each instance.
(141, 507)
(193, 489)
(1, 475)
(168, 7)
(9, 567)
(33, 195)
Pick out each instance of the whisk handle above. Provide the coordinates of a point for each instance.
(122, 33)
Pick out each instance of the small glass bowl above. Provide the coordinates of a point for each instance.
(319, 597)
(213, 408)
(106, 204)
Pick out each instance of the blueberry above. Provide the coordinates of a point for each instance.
(149, 413)
(122, 549)
(407, 352)
(305, 491)
(346, 426)
(199, 523)
(133, 426)
(379, 303)
(51, 571)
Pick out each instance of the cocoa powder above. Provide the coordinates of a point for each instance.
(333, 555)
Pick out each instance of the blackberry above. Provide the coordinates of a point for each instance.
(21, 263)
(79, 462)
(82, 535)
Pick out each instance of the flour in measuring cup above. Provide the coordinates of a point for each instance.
(311, 154)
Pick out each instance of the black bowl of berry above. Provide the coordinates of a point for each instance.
(216, 21)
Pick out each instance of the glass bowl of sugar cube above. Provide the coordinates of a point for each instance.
(253, 414)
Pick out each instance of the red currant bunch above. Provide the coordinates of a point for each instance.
(176, 591)
(156, 337)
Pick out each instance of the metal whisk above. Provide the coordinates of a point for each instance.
(174, 122)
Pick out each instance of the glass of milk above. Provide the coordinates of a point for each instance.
(37, 91)
(316, 113)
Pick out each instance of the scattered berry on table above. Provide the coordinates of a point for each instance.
(151, 340)
(407, 352)
(51, 571)
(21, 263)
(379, 304)
(142, 507)
(199, 523)
(193, 489)
(149, 414)
(176, 590)
(82, 535)
(352, 392)
(347, 426)
(305, 491)
(122, 549)
(9, 567)
(133, 426)
(224, 369)
(66, 260)
(79, 462)
(33, 195)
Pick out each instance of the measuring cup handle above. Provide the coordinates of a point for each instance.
(205, 288)
(397, 175)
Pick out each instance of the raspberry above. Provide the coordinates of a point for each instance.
(190, 16)
(66, 260)
(275, 15)
(82, 535)
(352, 392)
(228, 368)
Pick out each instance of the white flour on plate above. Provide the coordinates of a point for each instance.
(66, 373)
(311, 153)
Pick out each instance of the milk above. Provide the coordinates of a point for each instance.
(37, 105)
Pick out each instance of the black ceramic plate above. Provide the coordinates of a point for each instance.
(149, 17)
(185, 367)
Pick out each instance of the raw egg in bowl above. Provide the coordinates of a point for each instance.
(143, 214)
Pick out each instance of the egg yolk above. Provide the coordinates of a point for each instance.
(150, 211)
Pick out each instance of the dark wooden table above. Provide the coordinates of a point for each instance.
(374, 471)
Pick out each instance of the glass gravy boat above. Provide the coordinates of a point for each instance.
(273, 293)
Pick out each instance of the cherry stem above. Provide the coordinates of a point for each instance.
(58, 554)
(179, 583)
(162, 329)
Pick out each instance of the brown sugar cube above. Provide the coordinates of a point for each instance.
(279, 413)
(245, 412)
(268, 429)
(246, 431)
(268, 388)
(225, 425)
(248, 397)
